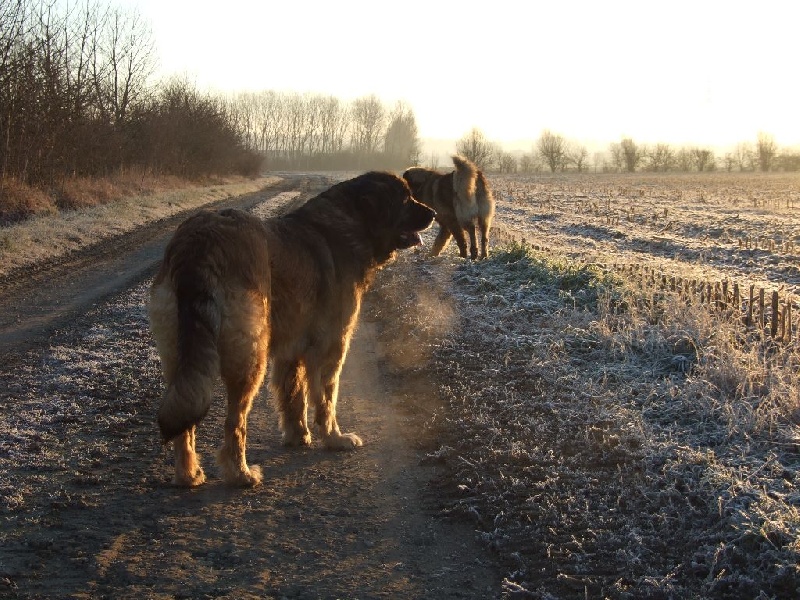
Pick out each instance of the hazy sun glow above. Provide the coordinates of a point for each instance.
(711, 72)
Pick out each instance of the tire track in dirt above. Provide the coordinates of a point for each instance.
(35, 300)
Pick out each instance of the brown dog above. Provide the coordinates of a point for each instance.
(461, 199)
(234, 292)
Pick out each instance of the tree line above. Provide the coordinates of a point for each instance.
(316, 131)
(552, 152)
(76, 100)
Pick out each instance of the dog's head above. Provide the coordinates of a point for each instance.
(418, 177)
(389, 216)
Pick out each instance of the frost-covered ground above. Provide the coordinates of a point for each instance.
(600, 443)
(741, 226)
(604, 446)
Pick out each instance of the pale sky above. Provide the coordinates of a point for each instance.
(705, 72)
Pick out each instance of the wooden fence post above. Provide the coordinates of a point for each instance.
(775, 315)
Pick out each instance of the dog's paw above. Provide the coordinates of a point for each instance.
(189, 479)
(342, 441)
(293, 439)
(250, 477)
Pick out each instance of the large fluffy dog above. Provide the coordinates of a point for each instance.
(234, 292)
(462, 199)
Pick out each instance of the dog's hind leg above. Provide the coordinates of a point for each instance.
(289, 389)
(473, 241)
(441, 241)
(243, 362)
(461, 240)
(187, 464)
(484, 225)
(232, 457)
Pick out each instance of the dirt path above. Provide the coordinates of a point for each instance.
(36, 299)
(86, 510)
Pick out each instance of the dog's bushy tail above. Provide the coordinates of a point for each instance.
(464, 179)
(484, 197)
(464, 183)
(196, 357)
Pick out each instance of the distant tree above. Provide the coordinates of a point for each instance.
(297, 123)
(631, 154)
(617, 159)
(744, 156)
(553, 150)
(335, 126)
(729, 160)
(475, 147)
(660, 158)
(788, 161)
(369, 120)
(578, 156)
(527, 163)
(401, 142)
(506, 162)
(432, 161)
(703, 159)
(684, 160)
(766, 150)
(600, 162)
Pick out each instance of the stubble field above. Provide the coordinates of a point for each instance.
(618, 435)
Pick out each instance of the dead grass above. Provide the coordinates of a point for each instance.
(129, 203)
(19, 201)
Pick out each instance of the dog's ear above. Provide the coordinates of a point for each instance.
(379, 196)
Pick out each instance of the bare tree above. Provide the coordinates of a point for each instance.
(271, 118)
(334, 126)
(729, 160)
(766, 149)
(506, 162)
(684, 161)
(553, 150)
(123, 61)
(578, 155)
(528, 163)
(401, 142)
(744, 156)
(369, 120)
(703, 159)
(660, 158)
(632, 154)
(475, 147)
